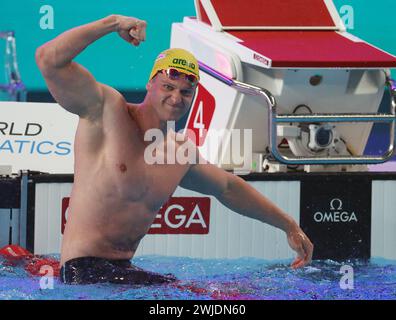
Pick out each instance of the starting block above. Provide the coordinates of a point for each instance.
(307, 89)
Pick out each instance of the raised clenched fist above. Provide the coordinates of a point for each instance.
(131, 29)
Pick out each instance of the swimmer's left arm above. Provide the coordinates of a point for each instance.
(239, 196)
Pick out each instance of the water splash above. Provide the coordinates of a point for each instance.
(225, 279)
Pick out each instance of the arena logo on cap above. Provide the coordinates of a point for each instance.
(184, 63)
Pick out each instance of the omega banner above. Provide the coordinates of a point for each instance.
(179, 215)
(335, 212)
(36, 137)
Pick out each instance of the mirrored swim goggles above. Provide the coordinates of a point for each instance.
(175, 74)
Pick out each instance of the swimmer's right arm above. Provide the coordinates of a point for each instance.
(73, 86)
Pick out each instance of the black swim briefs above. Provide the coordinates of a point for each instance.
(88, 270)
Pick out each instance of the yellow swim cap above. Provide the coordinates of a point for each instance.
(178, 59)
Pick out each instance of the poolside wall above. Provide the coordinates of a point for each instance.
(221, 233)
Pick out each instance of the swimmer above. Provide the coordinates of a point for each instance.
(116, 194)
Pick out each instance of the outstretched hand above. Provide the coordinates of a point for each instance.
(132, 30)
(300, 243)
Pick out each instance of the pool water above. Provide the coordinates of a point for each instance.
(220, 279)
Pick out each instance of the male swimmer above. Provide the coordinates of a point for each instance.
(116, 193)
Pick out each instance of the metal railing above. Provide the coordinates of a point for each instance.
(275, 119)
(13, 87)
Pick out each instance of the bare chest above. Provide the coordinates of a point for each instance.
(122, 168)
(136, 178)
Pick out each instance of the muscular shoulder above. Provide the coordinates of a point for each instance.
(113, 98)
(92, 129)
(94, 113)
(115, 107)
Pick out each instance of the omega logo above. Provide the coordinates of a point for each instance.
(336, 213)
(336, 201)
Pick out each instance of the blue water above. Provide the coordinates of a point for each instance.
(244, 278)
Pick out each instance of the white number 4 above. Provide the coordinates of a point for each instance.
(198, 120)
